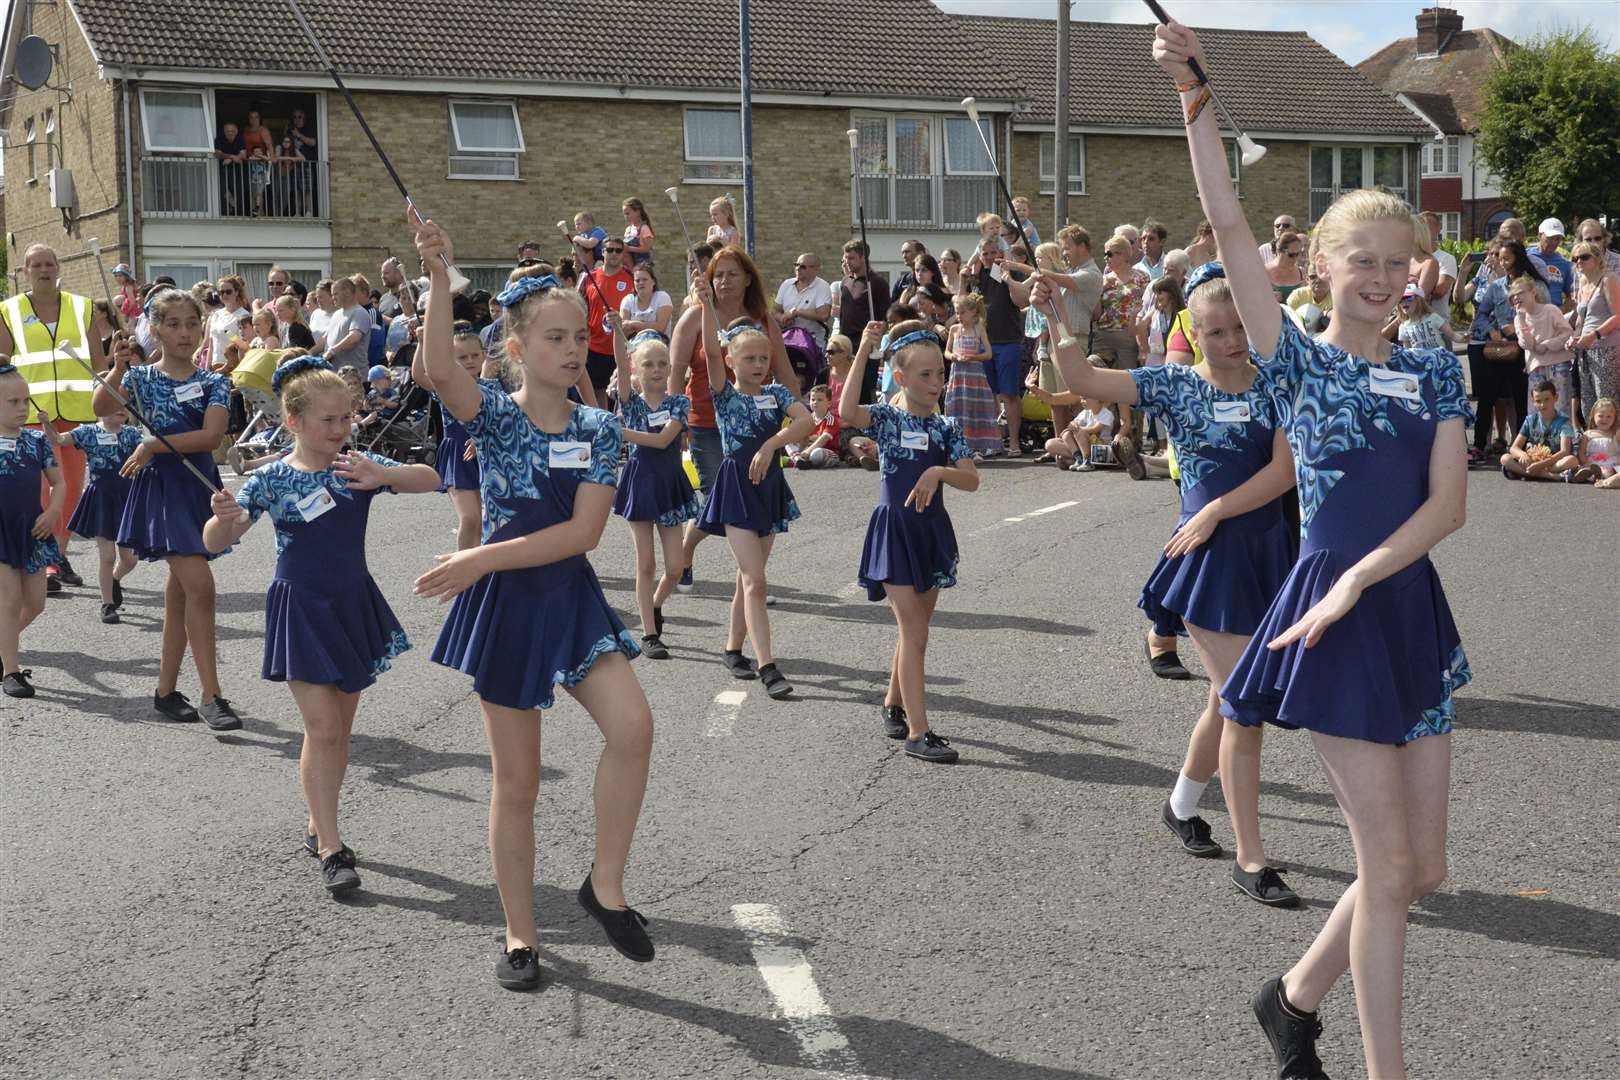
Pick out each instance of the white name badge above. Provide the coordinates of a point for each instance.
(7, 445)
(1232, 412)
(1394, 384)
(658, 419)
(189, 392)
(314, 504)
(106, 438)
(570, 455)
(764, 403)
(914, 440)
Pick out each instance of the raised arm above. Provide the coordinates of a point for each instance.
(851, 413)
(688, 330)
(1173, 46)
(456, 387)
(714, 354)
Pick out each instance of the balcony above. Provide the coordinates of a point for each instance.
(926, 201)
(197, 186)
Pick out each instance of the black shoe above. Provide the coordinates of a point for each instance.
(931, 747)
(219, 716)
(776, 683)
(1166, 665)
(626, 930)
(1292, 1037)
(1510, 474)
(518, 969)
(16, 685)
(118, 593)
(1193, 833)
(53, 584)
(739, 665)
(68, 576)
(175, 706)
(1265, 885)
(654, 648)
(109, 614)
(894, 722)
(337, 871)
(658, 621)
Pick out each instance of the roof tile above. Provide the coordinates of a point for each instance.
(1459, 73)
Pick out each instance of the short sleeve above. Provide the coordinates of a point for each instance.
(493, 403)
(218, 392)
(255, 495)
(83, 436)
(1155, 386)
(956, 445)
(1450, 392)
(1294, 352)
(679, 407)
(784, 397)
(723, 396)
(885, 423)
(606, 443)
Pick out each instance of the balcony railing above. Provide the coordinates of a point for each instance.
(201, 186)
(938, 201)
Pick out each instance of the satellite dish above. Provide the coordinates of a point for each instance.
(34, 61)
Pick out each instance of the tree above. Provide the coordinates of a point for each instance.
(1551, 125)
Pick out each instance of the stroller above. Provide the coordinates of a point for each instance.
(808, 360)
(405, 436)
(265, 432)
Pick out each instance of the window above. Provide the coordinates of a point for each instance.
(964, 151)
(50, 123)
(491, 279)
(1451, 226)
(185, 274)
(176, 120)
(900, 181)
(1234, 161)
(485, 140)
(1338, 168)
(29, 137)
(1077, 165)
(714, 145)
(1440, 158)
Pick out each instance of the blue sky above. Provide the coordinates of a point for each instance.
(1354, 29)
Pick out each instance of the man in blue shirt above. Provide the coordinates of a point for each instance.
(1560, 272)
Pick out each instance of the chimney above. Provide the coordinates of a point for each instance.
(1436, 27)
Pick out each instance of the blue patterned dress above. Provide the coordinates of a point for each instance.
(905, 546)
(1361, 435)
(455, 471)
(167, 508)
(101, 507)
(23, 459)
(1221, 440)
(745, 424)
(519, 633)
(654, 486)
(325, 621)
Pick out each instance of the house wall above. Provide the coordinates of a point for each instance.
(87, 142)
(1132, 177)
(1442, 194)
(581, 154)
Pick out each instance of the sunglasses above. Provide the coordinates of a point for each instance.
(227, 292)
(1583, 258)
(614, 250)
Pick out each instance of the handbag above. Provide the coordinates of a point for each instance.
(1500, 352)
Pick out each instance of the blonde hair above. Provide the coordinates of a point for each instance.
(1115, 244)
(1420, 308)
(1213, 291)
(841, 342)
(35, 248)
(1614, 411)
(1048, 254)
(1524, 283)
(904, 356)
(648, 347)
(520, 315)
(723, 202)
(985, 218)
(1361, 207)
(1586, 247)
(972, 302)
(302, 387)
(158, 306)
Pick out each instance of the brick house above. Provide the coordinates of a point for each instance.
(1326, 128)
(1441, 74)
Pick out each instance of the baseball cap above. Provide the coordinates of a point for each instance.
(1551, 227)
(1411, 292)
(377, 372)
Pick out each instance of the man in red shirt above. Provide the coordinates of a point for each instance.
(613, 283)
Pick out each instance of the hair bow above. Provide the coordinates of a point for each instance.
(516, 292)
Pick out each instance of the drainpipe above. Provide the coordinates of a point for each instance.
(129, 182)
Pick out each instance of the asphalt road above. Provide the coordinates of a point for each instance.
(821, 904)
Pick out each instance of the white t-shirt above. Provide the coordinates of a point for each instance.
(1448, 269)
(319, 320)
(1087, 418)
(221, 325)
(628, 309)
(816, 294)
(342, 322)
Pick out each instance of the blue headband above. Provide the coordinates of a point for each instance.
(1204, 273)
(7, 369)
(646, 336)
(914, 338)
(297, 366)
(727, 336)
(516, 292)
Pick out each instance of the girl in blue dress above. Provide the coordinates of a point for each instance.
(910, 550)
(1229, 554)
(1359, 646)
(528, 612)
(457, 457)
(166, 507)
(328, 632)
(107, 445)
(750, 502)
(654, 493)
(26, 544)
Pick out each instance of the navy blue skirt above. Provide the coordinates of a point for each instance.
(456, 471)
(735, 500)
(1227, 583)
(101, 507)
(19, 548)
(341, 633)
(904, 547)
(167, 509)
(654, 487)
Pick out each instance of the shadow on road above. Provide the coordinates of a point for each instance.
(1537, 715)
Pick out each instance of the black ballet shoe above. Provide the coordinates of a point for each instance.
(626, 929)
(654, 648)
(1166, 665)
(739, 665)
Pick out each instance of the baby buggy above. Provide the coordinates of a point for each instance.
(404, 436)
(807, 357)
(265, 433)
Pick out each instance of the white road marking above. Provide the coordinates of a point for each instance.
(788, 977)
(1033, 513)
(723, 713)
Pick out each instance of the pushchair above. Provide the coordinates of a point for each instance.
(808, 359)
(405, 436)
(265, 431)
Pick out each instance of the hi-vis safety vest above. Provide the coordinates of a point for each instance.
(57, 381)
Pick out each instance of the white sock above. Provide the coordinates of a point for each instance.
(1184, 799)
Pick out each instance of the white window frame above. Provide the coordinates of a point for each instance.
(988, 126)
(1235, 158)
(31, 137)
(206, 97)
(688, 156)
(1438, 152)
(939, 172)
(1451, 225)
(1048, 184)
(460, 150)
(1369, 177)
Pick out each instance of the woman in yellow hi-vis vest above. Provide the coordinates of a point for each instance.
(43, 330)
